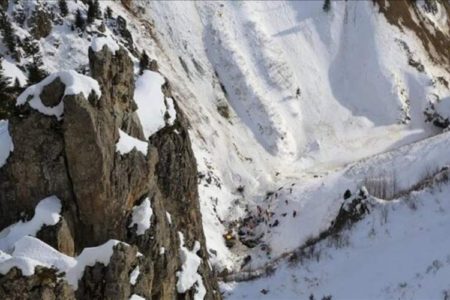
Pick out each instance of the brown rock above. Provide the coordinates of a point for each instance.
(59, 237)
(113, 281)
(43, 284)
(53, 93)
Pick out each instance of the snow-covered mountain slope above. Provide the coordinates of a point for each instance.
(307, 92)
(290, 106)
(399, 251)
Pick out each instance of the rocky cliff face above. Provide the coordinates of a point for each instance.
(75, 159)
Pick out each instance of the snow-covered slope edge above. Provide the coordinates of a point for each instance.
(280, 92)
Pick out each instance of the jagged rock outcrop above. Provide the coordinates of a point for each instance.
(75, 158)
(113, 281)
(43, 284)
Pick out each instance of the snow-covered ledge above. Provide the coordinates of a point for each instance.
(127, 143)
(75, 84)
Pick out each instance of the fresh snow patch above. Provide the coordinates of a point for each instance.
(162, 250)
(188, 275)
(151, 103)
(141, 217)
(169, 218)
(75, 84)
(6, 144)
(24, 264)
(31, 252)
(127, 143)
(134, 275)
(13, 72)
(47, 212)
(89, 257)
(19, 249)
(136, 297)
(171, 111)
(98, 43)
(37, 250)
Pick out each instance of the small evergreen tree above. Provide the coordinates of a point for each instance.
(4, 81)
(7, 103)
(93, 11)
(9, 37)
(108, 13)
(144, 62)
(35, 71)
(79, 20)
(327, 5)
(63, 7)
(30, 46)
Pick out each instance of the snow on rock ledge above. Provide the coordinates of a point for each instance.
(6, 144)
(154, 110)
(19, 249)
(98, 43)
(141, 217)
(127, 143)
(188, 276)
(31, 252)
(47, 212)
(75, 84)
(89, 257)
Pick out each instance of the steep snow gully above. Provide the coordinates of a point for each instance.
(297, 109)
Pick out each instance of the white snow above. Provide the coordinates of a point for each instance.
(152, 108)
(19, 249)
(162, 250)
(98, 43)
(75, 84)
(169, 218)
(353, 102)
(141, 216)
(33, 248)
(397, 252)
(188, 276)
(127, 143)
(30, 252)
(89, 257)
(6, 143)
(46, 213)
(24, 264)
(136, 297)
(13, 72)
(134, 275)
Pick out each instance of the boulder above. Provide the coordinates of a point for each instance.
(53, 93)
